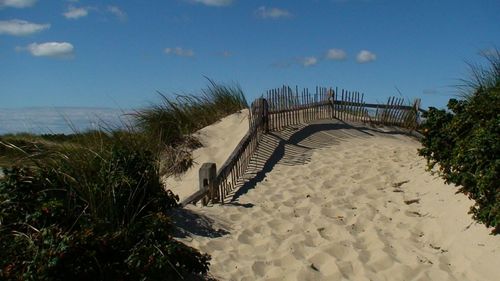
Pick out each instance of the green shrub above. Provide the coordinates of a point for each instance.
(92, 209)
(90, 206)
(465, 144)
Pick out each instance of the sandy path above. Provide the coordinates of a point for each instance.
(338, 212)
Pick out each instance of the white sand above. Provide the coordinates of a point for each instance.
(219, 141)
(333, 213)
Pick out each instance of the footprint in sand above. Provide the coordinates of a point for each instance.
(216, 245)
(381, 261)
(279, 226)
(414, 214)
(340, 250)
(324, 263)
(247, 237)
(259, 268)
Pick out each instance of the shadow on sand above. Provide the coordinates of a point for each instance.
(190, 223)
(295, 145)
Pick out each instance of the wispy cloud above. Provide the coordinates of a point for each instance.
(49, 49)
(282, 64)
(226, 54)
(308, 61)
(264, 12)
(117, 12)
(17, 3)
(365, 56)
(336, 54)
(76, 13)
(180, 52)
(21, 27)
(215, 3)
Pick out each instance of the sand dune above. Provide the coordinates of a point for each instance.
(219, 141)
(330, 201)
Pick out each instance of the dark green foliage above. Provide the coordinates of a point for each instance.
(92, 209)
(465, 144)
(90, 205)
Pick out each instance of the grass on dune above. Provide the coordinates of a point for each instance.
(482, 77)
(91, 205)
(93, 208)
(181, 115)
(168, 126)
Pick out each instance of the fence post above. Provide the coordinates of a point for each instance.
(331, 101)
(416, 106)
(207, 175)
(265, 115)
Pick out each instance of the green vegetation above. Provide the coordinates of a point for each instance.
(91, 206)
(173, 119)
(16, 146)
(465, 143)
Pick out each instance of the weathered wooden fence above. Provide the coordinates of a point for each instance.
(284, 107)
(290, 107)
(215, 187)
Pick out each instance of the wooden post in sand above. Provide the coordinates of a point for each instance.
(265, 114)
(207, 174)
(416, 107)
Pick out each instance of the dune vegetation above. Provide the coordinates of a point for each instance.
(91, 205)
(463, 141)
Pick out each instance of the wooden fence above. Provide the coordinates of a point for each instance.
(290, 107)
(284, 107)
(214, 187)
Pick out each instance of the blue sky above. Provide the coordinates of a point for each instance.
(119, 53)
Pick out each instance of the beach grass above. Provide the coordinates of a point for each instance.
(92, 205)
(181, 115)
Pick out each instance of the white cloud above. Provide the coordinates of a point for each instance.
(365, 56)
(178, 51)
(272, 13)
(216, 3)
(309, 61)
(336, 54)
(17, 3)
(76, 13)
(21, 27)
(119, 13)
(49, 49)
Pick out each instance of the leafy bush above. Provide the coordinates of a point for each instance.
(465, 144)
(93, 209)
(90, 206)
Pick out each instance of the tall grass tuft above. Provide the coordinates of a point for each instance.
(178, 116)
(482, 77)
